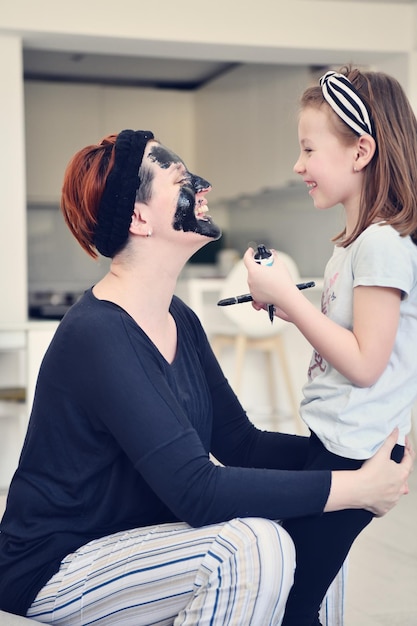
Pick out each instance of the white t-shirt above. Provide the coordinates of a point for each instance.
(352, 421)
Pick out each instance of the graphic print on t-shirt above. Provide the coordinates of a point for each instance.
(317, 363)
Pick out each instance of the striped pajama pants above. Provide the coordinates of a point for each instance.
(235, 573)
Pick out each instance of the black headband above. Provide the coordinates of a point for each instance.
(118, 200)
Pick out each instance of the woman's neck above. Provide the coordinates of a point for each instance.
(146, 297)
(144, 290)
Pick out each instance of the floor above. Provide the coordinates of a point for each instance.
(382, 578)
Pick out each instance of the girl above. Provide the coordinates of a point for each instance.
(358, 140)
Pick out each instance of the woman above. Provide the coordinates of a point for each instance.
(116, 513)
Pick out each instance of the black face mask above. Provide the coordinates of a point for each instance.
(185, 218)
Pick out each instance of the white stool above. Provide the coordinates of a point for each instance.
(252, 330)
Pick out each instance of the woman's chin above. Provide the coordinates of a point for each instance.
(208, 228)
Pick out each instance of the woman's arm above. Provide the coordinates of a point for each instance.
(235, 440)
(376, 486)
(361, 354)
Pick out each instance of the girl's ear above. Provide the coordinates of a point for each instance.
(365, 150)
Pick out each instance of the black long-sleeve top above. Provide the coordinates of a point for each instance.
(118, 438)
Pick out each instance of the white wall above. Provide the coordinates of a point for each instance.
(13, 281)
(274, 31)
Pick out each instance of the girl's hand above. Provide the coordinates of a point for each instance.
(270, 284)
(260, 306)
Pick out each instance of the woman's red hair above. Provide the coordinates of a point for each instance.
(82, 189)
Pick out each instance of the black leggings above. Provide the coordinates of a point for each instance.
(322, 542)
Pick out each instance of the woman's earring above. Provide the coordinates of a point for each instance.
(149, 233)
(355, 169)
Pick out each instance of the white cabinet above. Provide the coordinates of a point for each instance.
(59, 119)
(246, 129)
(239, 131)
(22, 347)
(63, 118)
(169, 114)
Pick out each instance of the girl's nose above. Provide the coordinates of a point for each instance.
(298, 166)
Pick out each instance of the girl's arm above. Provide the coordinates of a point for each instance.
(360, 354)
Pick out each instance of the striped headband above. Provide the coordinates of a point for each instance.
(346, 102)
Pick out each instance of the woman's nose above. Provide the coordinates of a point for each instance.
(200, 184)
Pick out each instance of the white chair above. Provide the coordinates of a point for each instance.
(252, 330)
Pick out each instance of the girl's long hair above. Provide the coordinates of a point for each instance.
(389, 191)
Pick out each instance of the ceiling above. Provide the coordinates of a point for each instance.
(120, 70)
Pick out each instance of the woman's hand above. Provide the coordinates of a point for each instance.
(385, 479)
(377, 486)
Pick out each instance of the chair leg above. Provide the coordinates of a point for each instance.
(280, 348)
(271, 379)
(216, 343)
(240, 348)
(240, 343)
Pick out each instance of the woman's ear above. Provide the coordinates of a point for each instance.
(365, 150)
(139, 224)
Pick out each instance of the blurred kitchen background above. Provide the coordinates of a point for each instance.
(59, 270)
(247, 108)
